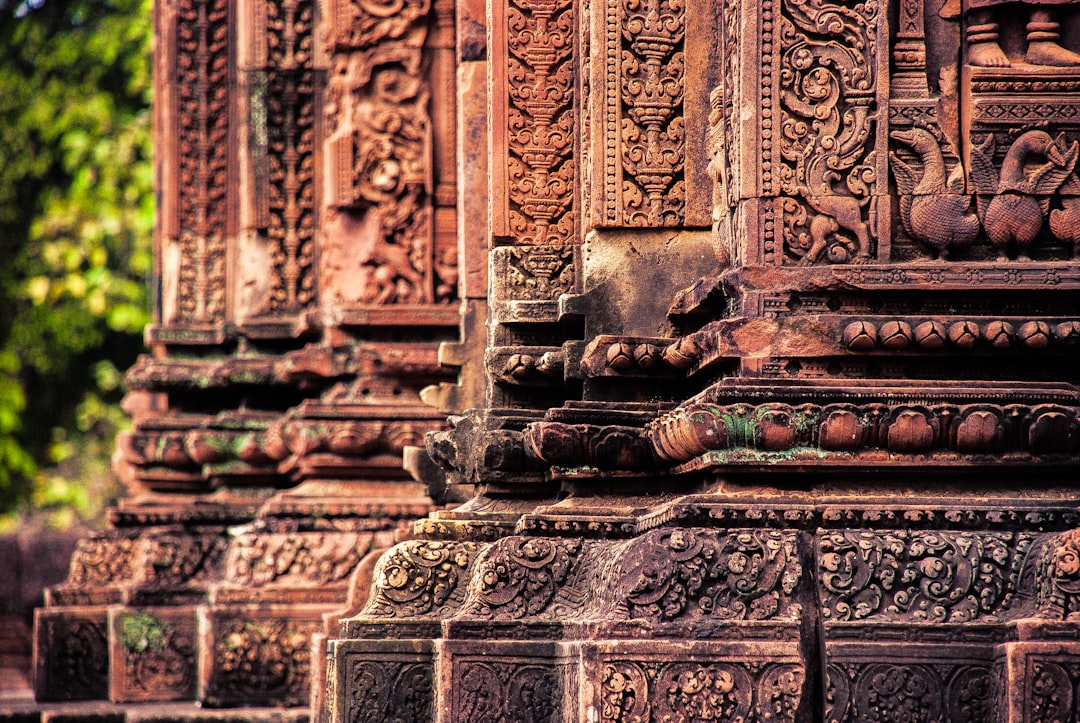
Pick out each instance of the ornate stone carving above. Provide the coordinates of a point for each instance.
(920, 576)
(825, 147)
(685, 574)
(378, 690)
(521, 576)
(266, 660)
(638, 691)
(420, 578)
(203, 50)
(501, 691)
(534, 112)
(292, 200)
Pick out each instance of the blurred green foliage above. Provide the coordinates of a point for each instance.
(76, 215)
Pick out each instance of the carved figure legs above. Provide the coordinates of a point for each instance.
(982, 40)
(1043, 34)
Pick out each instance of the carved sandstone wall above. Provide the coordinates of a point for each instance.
(781, 417)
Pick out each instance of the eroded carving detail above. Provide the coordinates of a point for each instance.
(203, 62)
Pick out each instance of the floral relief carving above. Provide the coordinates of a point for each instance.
(651, 133)
(291, 144)
(521, 576)
(374, 690)
(1058, 570)
(920, 576)
(827, 125)
(504, 691)
(897, 694)
(745, 575)
(540, 131)
(633, 692)
(420, 577)
(259, 557)
(267, 660)
(203, 60)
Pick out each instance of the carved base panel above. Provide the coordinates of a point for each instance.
(71, 656)
(901, 680)
(372, 681)
(1041, 681)
(257, 655)
(694, 680)
(507, 680)
(152, 654)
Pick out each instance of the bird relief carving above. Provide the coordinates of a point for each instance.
(934, 209)
(1014, 203)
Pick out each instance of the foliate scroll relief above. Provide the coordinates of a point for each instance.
(826, 154)
(540, 125)
(744, 575)
(203, 60)
(291, 140)
(420, 577)
(943, 577)
(259, 557)
(265, 660)
(521, 576)
(489, 690)
(377, 112)
(377, 689)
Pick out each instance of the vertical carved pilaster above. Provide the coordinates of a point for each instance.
(378, 115)
(533, 122)
(203, 50)
(291, 103)
(825, 156)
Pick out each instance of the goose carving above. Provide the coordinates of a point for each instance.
(1065, 222)
(933, 209)
(1013, 217)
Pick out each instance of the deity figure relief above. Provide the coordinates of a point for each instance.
(1043, 31)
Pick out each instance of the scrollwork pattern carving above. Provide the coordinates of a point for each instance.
(652, 135)
(493, 691)
(203, 57)
(291, 157)
(745, 575)
(420, 577)
(266, 660)
(690, 690)
(921, 576)
(540, 121)
(827, 122)
(375, 691)
(259, 557)
(520, 576)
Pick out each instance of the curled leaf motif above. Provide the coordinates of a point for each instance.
(746, 575)
(944, 577)
(520, 575)
(418, 576)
